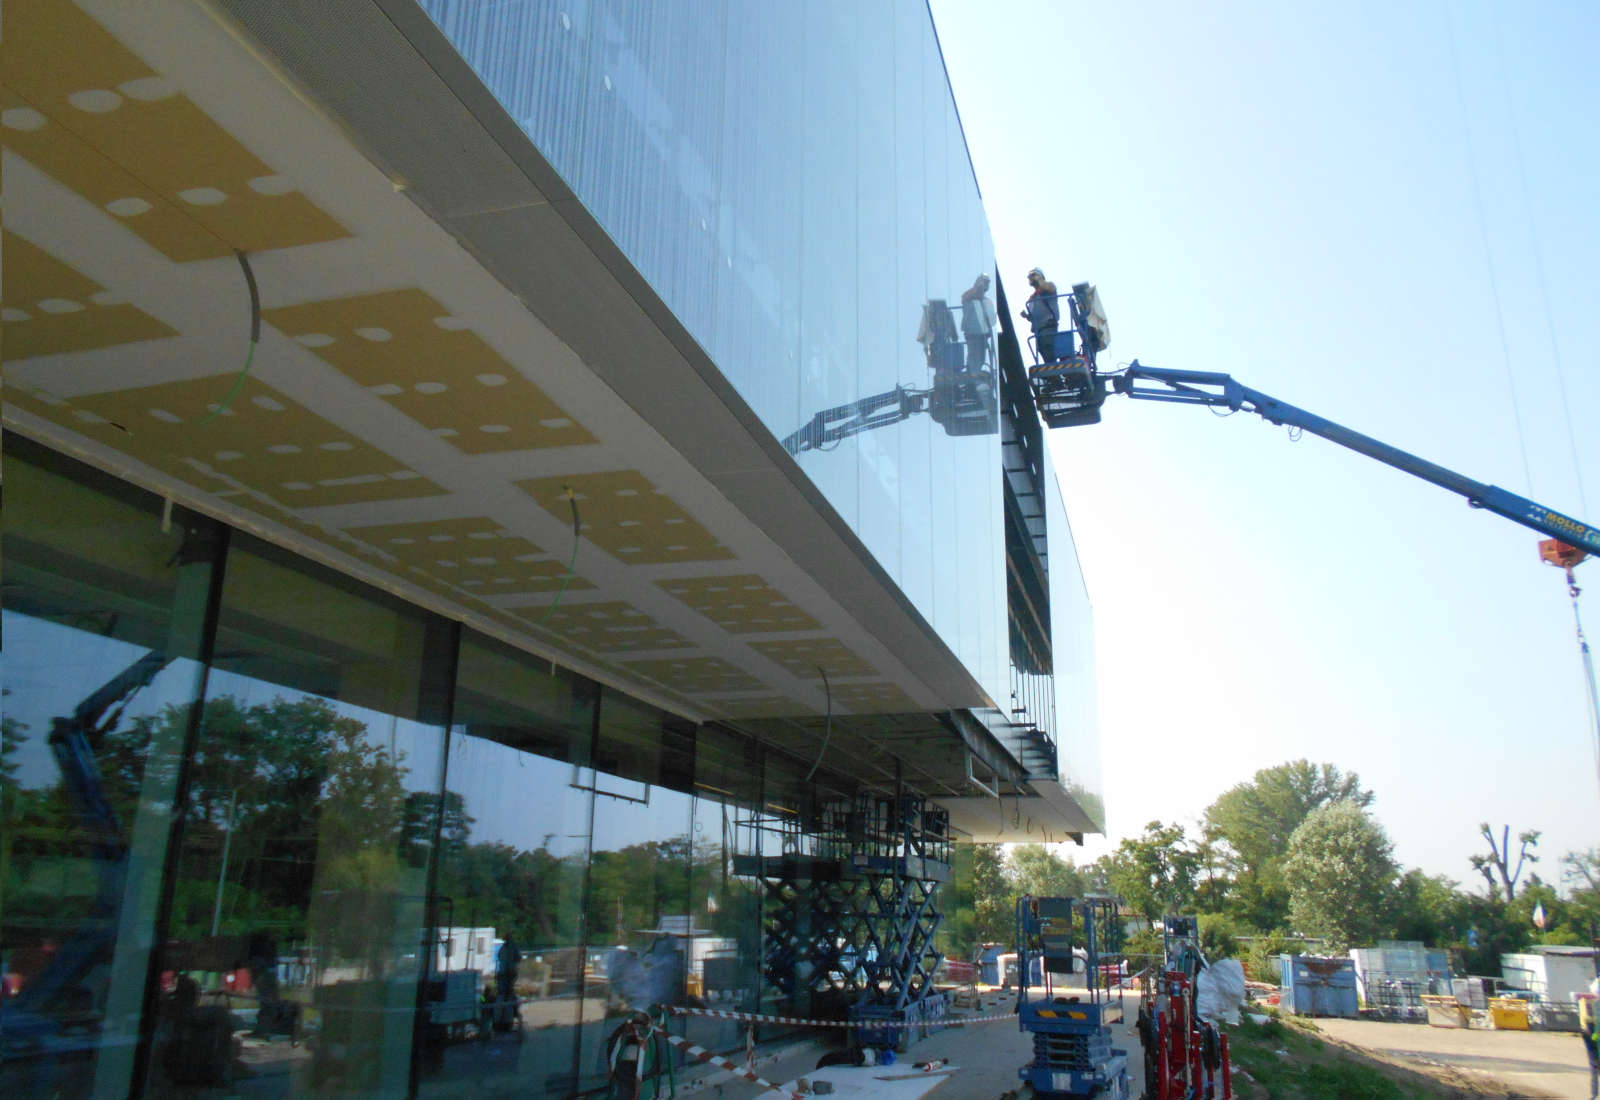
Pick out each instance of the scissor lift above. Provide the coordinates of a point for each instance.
(1072, 1051)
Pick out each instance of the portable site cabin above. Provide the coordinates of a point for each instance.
(1555, 975)
(465, 949)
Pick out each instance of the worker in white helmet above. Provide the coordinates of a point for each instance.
(1043, 312)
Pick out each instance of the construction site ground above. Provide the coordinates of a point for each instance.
(982, 1061)
(1497, 1063)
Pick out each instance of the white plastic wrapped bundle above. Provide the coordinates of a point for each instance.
(1219, 991)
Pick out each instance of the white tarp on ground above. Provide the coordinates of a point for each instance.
(1219, 991)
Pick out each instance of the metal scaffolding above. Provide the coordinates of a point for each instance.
(850, 910)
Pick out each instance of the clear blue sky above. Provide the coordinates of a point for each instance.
(1386, 214)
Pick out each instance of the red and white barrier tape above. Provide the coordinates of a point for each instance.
(700, 1053)
(942, 1021)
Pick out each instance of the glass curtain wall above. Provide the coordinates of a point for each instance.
(513, 856)
(267, 829)
(794, 182)
(1077, 722)
(105, 615)
(299, 901)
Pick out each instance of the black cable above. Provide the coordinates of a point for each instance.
(255, 338)
(827, 727)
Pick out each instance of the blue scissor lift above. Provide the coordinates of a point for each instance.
(1072, 1051)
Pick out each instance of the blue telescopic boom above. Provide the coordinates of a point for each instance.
(1188, 387)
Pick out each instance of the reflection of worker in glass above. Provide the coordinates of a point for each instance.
(938, 337)
(262, 951)
(505, 969)
(977, 322)
(1043, 312)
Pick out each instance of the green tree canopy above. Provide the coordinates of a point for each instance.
(1430, 909)
(1038, 871)
(993, 901)
(1253, 822)
(1341, 873)
(1154, 873)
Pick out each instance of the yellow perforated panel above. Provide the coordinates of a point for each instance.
(696, 675)
(628, 517)
(743, 604)
(610, 627)
(51, 308)
(59, 153)
(803, 656)
(85, 97)
(264, 440)
(765, 706)
(406, 348)
(474, 553)
(873, 698)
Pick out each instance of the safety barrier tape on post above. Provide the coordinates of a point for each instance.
(701, 1054)
(797, 1021)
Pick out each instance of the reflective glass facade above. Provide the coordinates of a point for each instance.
(1077, 726)
(261, 823)
(249, 803)
(793, 181)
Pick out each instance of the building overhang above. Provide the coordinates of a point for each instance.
(454, 363)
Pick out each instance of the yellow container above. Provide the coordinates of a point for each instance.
(1509, 1013)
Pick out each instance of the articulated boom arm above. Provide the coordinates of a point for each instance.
(1186, 387)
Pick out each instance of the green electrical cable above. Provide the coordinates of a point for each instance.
(255, 338)
(577, 528)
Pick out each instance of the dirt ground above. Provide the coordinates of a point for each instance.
(1531, 1063)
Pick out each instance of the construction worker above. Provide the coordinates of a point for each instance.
(1043, 312)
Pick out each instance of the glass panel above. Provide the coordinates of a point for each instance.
(514, 850)
(299, 902)
(643, 935)
(1077, 727)
(104, 610)
(724, 970)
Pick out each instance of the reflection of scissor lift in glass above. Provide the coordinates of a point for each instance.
(1066, 388)
(851, 911)
(1072, 1051)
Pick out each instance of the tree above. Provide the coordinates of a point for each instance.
(1341, 872)
(993, 904)
(1218, 937)
(1038, 871)
(1430, 909)
(1581, 870)
(1495, 865)
(1254, 821)
(1154, 873)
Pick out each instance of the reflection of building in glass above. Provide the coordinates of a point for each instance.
(425, 639)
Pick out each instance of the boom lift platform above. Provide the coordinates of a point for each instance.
(1070, 391)
(1072, 1051)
